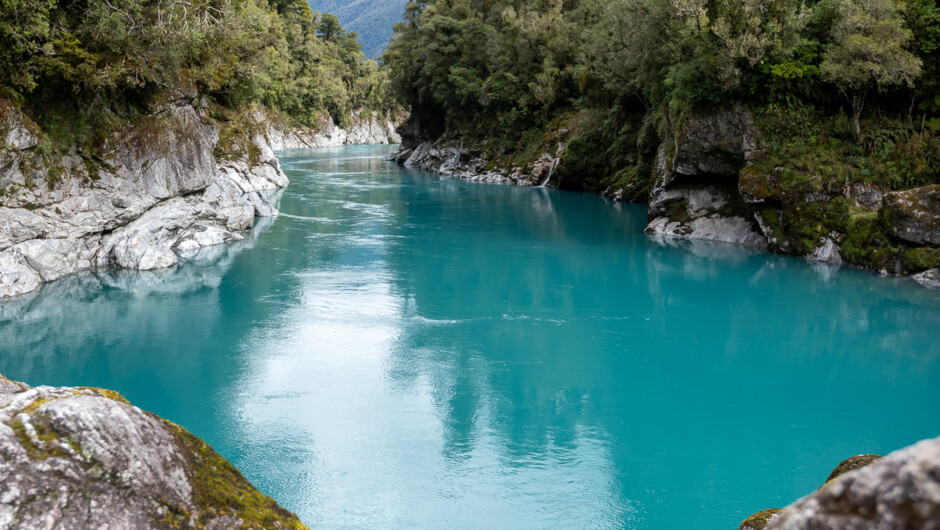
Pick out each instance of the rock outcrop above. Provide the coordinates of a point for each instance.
(914, 215)
(455, 156)
(694, 193)
(86, 458)
(709, 174)
(458, 160)
(899, 491)
(366, 127)
(170, 183)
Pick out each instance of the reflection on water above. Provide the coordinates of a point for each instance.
(403, 350)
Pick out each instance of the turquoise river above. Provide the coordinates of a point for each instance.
(404, 350)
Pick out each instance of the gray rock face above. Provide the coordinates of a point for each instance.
(366, 128)
(929, 278)
(901, 491)
(705, 212)
(454, 159)
(827, 252)
(160, 192)
(85, 458)
(914, 215)
(697, 166)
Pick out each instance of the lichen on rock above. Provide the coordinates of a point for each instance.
(86, 458)
(914, 215)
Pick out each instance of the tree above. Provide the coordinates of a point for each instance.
(868, 51)
(330, 28)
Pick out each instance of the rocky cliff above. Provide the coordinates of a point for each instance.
(712, 179)
(86, 458)
(155, 189)
(900, 491)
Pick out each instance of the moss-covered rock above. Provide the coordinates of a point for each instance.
(914, 215)
(86, 458)
(920, 259)
(759, 520)
(851, 464)
(899, 491)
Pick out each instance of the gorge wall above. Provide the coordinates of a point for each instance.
(157, 188)
(714, 176)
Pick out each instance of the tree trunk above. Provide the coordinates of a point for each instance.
(858, 103)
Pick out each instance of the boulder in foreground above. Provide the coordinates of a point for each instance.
(897, 492)
(76, 458)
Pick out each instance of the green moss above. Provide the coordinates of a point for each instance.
(866, 243)
(43, 433)
(885, 259)
(851, 464)
(805, 224)
(757, 182)
(235, 143)
(220, 489)
(920, 259)
(759, 520)
(110, 394)
(678, 210)
(628, 183)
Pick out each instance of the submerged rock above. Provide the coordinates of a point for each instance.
(899, 491)
(86, 458)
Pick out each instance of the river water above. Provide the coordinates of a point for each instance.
(403, 350)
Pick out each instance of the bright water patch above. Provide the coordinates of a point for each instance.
(400, 350)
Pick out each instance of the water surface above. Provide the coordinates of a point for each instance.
(401, 350)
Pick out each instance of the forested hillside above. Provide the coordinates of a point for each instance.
(75, 65)
(841, 94)
(372, 20)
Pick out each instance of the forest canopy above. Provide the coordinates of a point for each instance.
(847, 88)
(519, 60)
(238, 52)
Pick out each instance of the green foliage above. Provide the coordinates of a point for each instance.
(119, 54)
(816, 151)
(920, 259)
(868, 51)
(507, 70)
(371, 19)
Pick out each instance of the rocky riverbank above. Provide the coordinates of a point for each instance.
(712, 179)
(899, 491)
(156, 189)
(86, 458)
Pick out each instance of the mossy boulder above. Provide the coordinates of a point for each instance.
(899, 491)
(914, 215)
(86, 458)
(920, 259)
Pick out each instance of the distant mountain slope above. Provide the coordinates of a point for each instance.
(372, 19)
